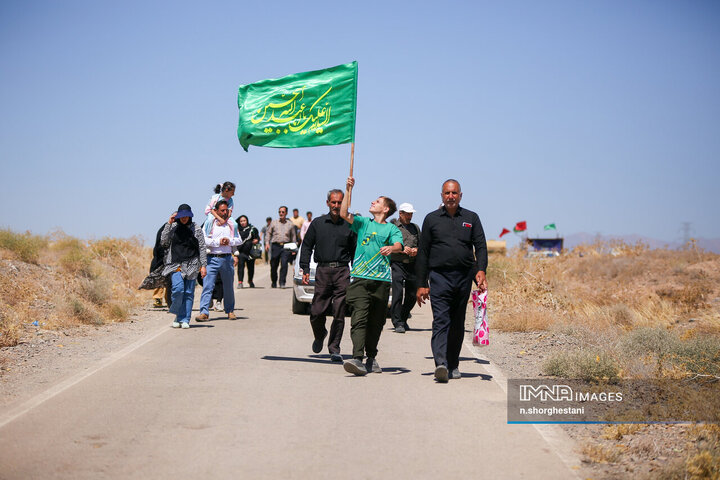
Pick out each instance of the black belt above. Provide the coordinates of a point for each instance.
(332, 264)
(221, 255)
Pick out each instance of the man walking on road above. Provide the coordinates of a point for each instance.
(265, 239)
(330, 237)
(370, 285)
(306, 225)
(297, 220)
(403, 269)
(220, 239)
(279, 233)
(445, 258)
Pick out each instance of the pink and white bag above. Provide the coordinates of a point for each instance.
(481, 334)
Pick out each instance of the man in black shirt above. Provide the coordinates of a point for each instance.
(445, 258)
(402, 264)
(334, 245)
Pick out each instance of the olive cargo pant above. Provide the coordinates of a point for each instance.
(368, 300)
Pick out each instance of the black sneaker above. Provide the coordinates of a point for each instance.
(441, 374)
(317, 345)
(371, 365)
(252, 285)
(274, 285)
(399, 328)
(355, 367)
(336, 358)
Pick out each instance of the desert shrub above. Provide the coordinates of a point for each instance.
(523, 321)
(606, 316)
(659, 343)
(692, 296)
(97, 290)
(703, 465)
(109, 247)
(118, 311)
(74, 256)
(26, 246)
(600, 454)
(9, 327)
(77, 262)
(589, 365)
(619, 430)
(699, 355)
(83, 312)
(692, 354)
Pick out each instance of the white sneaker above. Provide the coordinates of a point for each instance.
(219, 306)
(185, 325)
(176, 324)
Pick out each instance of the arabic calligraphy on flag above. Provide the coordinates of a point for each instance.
(305, 109)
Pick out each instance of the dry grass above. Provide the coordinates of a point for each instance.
(618, 431)
(23, 246)
(703, 462)
(65, 281)
(633, 314)
(594, 453)
(647, 311)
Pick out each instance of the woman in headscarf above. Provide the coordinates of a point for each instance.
(246, 232)
(186, 256)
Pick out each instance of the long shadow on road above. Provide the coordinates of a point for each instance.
(326, 359)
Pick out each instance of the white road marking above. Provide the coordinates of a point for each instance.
(38, 399)
(553, 435)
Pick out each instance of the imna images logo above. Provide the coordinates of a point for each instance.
(556, 393)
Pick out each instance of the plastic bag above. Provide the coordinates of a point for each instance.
(481, 334)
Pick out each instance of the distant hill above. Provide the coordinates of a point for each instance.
(709, 244)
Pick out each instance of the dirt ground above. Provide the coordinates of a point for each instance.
(646, 453)
(44, 357)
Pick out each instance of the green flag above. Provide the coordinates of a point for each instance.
(301, 110)
(550, 226)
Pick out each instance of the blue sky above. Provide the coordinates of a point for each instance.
(596, 116)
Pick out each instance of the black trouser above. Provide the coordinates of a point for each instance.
(279, 256)
(368, 299)
(404, 290)
(331, 283)
(449, 294)
(245, 259)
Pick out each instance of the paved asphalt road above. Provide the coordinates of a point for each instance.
(248, 399)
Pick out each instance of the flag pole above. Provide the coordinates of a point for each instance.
(352, 163)
(352, 157)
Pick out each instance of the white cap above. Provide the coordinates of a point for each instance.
(406, 207)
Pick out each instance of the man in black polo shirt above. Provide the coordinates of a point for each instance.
(334, 245)
(445, 258)
(404, 281)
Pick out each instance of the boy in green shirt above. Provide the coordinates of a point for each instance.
(370, 278)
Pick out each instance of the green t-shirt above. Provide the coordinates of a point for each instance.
(371, 236)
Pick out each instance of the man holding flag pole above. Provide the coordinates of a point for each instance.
(370, 278)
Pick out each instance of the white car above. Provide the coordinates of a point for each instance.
(302, 294)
